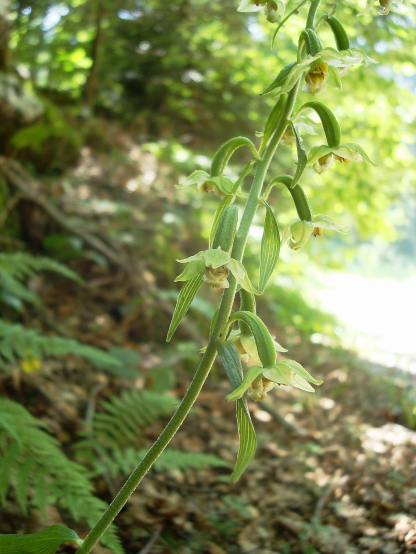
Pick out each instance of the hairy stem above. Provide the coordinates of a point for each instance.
(211, 351)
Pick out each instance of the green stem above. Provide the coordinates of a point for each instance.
(210, 353)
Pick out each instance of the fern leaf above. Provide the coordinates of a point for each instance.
(17, 342)
(30, 457)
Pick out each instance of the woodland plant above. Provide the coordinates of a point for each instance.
(242, 335)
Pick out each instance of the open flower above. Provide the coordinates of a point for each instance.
(258, 381)
(322, 157)
(320, 70)
(384, 9)
(273, 9)
(220, 185)
(298, 234)
(216, 265)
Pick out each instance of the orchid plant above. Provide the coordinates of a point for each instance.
(240, 337)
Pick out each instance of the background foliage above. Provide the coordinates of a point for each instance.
(106, 105)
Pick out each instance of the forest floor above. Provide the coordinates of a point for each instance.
(334, 473)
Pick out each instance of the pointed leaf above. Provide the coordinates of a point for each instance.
(185, 298)
(224, 153)
(248, 441)
(270, 248)
(226, 201)
(329, 122)
(302, 158)
(281, 78)
(44, 542)
(240, 274)
(230, 359)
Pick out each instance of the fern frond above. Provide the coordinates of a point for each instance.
(16, 267)
(18, 342)
(34, 467)
(113, 441)
(124, 416)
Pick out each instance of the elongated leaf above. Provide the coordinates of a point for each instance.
(270, 248)
(302, 158)
(185, 298)
(45, 542)
(226, 201)
(230, 359)
(248, 441)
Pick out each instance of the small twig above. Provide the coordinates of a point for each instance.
(320, 505)
(286, 424)
(26, 186)
(148, 547)
(9, 207)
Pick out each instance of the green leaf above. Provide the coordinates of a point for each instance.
(329, 122)
(281, 78)
(302, 158)
(224, 153)
(45, 542)
(270, 248)
(230, 359)
(185, 298)
(248, 441)
(226, 201)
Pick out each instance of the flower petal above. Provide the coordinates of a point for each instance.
(300, 233)
(361, 152)
(297, 368)
(318, 152)
(215, 257)
(249, 377)
(284, 376)
(199, 256)
(198, 177)
(249, 344)
(324, 222)
(348, 153)
(191, 270)
(240, 274)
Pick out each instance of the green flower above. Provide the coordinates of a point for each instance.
(258, 381)
(320, 69)
(298, 234)
(322, 157)
(384, 9)
(216, 265)
(274, 10)
(220, 185)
